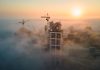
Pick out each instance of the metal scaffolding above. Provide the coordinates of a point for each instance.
(54, 34)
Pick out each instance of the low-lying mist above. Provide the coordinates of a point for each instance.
(24, 49)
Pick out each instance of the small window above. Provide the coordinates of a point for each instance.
(57, 42)
(58, 35)
(57, 47)
(52, 35)
(52, 41)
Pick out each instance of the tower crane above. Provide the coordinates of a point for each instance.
(23, 22)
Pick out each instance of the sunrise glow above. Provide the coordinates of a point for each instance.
(76, 12)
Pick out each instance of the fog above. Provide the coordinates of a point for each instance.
(23, 48)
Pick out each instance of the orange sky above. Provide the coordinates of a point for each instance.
(56, 8)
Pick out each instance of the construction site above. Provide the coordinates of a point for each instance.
(47, 45)
(54, 34)
(49, 34)
(55, 38)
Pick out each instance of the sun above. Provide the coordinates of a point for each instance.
(76, 12)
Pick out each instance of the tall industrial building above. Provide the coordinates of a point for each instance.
(54, 34)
